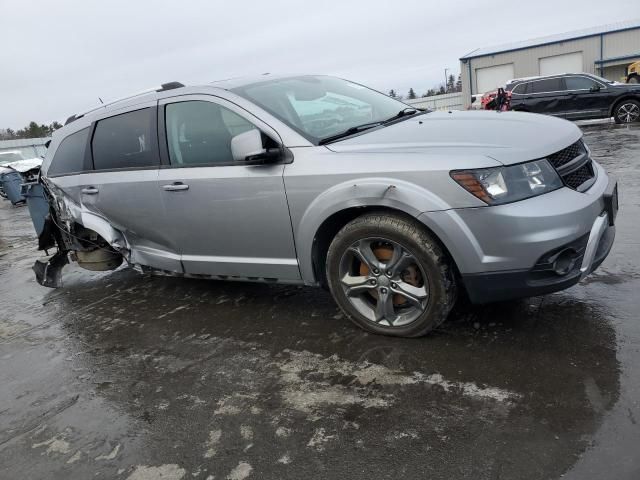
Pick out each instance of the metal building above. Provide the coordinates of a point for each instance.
(604, 51)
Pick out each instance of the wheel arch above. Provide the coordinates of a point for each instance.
(329, 228)
(339, 204)
(621, 99)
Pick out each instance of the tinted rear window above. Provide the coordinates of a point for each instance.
(547, 85)
(128, 140)
(69, 157)
(520, 89)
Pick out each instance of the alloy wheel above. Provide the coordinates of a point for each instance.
(384, 281)
(628, 112)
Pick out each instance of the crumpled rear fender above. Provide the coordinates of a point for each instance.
(70, 212)
(103, 228)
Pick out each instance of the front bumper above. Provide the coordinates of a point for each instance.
(507, 251)
(500, 286)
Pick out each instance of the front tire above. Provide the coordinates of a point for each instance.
(627, 111)
(390, 276)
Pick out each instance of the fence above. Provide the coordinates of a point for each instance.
(446, 101)
(29, 147)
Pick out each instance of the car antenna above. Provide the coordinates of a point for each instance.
(100, 100)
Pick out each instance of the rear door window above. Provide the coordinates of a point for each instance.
(69, 156)
(128, 140)
(520, 89)
(546, 85)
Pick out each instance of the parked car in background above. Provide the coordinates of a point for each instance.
(11, 162)
(499, 100)
(576, 97)
(319, 181)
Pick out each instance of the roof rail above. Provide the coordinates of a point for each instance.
(163, 87)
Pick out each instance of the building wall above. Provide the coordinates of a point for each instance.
(621, 44)
(615, 72)
(526, 62)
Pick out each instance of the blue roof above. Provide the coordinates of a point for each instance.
(560, 37)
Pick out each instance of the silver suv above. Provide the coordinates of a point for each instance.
(319, 181)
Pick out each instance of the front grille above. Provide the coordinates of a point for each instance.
(565, 155)
(580, 176)
(574, 166)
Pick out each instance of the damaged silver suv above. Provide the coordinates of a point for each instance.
(320, 181)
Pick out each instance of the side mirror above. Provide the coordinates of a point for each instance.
(247, 144)
(595, 88)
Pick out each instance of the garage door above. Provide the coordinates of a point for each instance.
(490, 78)
(565, 63)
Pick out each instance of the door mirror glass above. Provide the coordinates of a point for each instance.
(246, 146)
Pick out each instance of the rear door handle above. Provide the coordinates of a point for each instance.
(175, 186)
(90, 191)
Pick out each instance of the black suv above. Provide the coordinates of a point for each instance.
(576, 97)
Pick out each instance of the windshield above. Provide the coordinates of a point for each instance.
(320, 107)
(9, 157)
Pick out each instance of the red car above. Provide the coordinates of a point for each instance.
(497, 100)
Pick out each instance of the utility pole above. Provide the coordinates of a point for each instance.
(446, 79)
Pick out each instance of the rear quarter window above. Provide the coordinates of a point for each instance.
(69, 156)
(128, 140)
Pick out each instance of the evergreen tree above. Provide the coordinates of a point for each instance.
(392, 93)
(412, 94)
(451, 80)
(33, 130)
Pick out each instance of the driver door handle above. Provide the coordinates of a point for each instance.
(90, 191)
(175, 186)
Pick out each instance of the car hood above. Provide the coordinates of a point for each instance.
(627, 87)
(508, 137)
(25, 165)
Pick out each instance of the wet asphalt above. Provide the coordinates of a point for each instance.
(124, 375)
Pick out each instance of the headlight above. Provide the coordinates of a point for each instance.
(509, 184)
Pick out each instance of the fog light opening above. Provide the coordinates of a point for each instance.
(565, 261)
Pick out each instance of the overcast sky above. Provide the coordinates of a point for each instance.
(57, 58)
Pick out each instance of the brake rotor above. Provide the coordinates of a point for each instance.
(411, 274)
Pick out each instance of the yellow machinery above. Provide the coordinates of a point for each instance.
(633, 73)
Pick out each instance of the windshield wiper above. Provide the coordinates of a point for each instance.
(405, 112)
(350, 131)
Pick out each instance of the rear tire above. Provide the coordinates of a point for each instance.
(390, 276)
(627, 111)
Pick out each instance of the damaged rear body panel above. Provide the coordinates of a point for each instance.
(64, 229)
